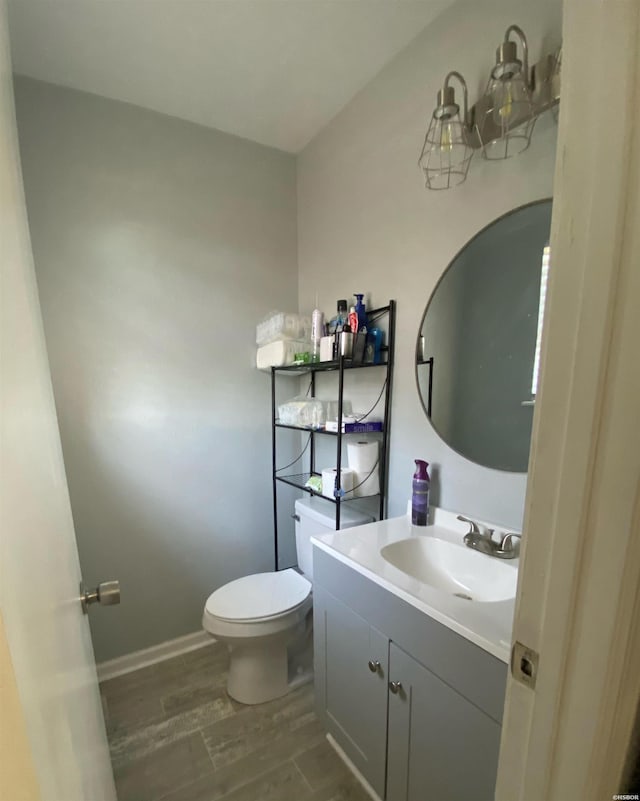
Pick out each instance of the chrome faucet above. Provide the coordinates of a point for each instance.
(483, 541)
(478, 540)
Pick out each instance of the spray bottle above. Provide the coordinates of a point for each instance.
(420, 497)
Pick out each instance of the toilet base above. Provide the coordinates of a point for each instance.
(261, 670)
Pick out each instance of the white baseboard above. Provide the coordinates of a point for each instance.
(365, 784)
(149, 656)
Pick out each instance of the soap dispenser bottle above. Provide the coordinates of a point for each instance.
(420, 496)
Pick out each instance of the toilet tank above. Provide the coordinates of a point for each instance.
(314, 517)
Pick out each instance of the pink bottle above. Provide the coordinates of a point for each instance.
(353, 320)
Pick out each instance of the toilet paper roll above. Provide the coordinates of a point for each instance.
(363, 460)
(329, 480)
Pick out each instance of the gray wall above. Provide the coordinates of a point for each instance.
(366, 224)
(158, 245)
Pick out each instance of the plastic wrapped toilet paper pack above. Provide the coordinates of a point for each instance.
(363, 460)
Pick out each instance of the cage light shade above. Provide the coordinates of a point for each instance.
(506, 123)
(445, 155)
(508, 120)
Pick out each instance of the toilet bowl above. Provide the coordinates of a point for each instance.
(265, 619)
(259, 617)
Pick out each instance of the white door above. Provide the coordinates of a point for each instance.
(47, 634)
(578, 601)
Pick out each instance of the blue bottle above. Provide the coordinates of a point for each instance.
(372, 354)
(420, 497)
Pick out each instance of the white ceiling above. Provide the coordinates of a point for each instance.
(275, 71)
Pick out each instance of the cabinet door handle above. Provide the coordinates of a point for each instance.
(374, 666)
(395, 687)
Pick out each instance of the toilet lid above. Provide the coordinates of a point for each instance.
(260, 595)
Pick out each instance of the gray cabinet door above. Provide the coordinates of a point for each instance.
(441, 746)
(351, 698)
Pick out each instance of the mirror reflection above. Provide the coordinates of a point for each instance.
(479, 341)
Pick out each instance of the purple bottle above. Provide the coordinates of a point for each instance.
(420, 497)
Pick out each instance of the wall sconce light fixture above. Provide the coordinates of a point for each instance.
(500, 123)
(447, 150)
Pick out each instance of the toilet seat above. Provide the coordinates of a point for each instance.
(258, 597)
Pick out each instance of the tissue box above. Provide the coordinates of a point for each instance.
(363, 427)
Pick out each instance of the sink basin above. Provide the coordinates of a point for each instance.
(454, 569)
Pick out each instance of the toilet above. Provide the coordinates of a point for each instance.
(266, 618)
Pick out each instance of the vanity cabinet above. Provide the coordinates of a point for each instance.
(441, 747)
(352, 660)
(416, 707)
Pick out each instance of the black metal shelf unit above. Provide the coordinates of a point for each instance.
(341, 366)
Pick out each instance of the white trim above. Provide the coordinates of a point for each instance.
(365, 784)
(149, 656)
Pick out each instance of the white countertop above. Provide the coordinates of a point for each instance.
(488, 625)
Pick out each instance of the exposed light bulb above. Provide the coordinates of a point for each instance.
(502, 103)
(510, 100)
(506, 109)
(446, 139)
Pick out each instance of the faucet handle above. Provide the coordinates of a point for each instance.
(506, 541)
(474, 526)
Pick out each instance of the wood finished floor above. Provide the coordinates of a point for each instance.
(175, 735)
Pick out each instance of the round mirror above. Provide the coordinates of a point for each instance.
(479, 341)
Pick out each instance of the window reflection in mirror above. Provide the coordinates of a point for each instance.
(479, 342)
(542, 298)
